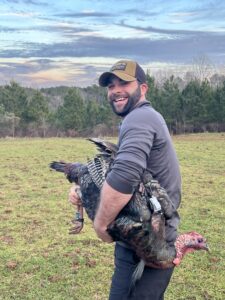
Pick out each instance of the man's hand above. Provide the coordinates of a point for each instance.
(74, 197)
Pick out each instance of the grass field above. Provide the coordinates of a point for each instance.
(40, 260)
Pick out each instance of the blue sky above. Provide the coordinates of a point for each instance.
(48, 43)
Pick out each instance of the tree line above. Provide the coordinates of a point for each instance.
(195, 106)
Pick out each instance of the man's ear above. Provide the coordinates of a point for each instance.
(144, 88)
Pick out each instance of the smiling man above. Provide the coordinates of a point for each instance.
(144, 143)
(123, 91)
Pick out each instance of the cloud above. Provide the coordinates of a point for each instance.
(84, 14)
(28, 2)
(35, 2)
(181, 49)
(34, 72)
(162, 31)
(66, 30)
(48, 72)
(211, 11)
(21, 14)
(26, 66)
(12, 1)
(7, 29)
(138, 12)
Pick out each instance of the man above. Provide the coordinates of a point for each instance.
(144, 143)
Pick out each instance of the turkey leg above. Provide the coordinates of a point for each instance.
(78, 220)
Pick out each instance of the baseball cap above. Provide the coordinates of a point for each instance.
(126, 70)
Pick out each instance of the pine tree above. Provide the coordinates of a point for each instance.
(71, 114)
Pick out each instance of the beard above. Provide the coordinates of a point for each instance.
(132, 101)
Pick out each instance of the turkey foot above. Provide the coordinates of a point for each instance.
(78, 225)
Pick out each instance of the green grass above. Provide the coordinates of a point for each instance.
(40, 260)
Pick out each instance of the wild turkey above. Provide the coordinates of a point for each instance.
(141, 223)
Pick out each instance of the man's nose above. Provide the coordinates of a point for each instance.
(117, 89)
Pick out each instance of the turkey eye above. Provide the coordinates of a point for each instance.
(200, 240)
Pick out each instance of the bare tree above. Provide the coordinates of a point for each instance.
(203, 68)
(13, 121)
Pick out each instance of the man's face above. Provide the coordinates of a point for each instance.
(123, 95)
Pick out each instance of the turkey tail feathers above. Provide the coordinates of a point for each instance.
(136, 275)
(104, 147)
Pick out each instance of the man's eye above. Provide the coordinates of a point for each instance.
(124, 82)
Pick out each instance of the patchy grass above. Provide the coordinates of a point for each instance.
(39, 260)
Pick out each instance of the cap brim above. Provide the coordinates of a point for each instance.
(104, 78)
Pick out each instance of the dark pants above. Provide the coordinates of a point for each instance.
(151, 286)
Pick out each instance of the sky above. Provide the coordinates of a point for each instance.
(71, 42)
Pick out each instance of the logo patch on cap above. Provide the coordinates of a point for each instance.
(119, 67)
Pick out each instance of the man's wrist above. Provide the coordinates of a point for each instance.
(99, 226)
(101, 231)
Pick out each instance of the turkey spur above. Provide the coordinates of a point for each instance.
(141, 223)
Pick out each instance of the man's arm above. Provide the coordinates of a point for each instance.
(110, 205)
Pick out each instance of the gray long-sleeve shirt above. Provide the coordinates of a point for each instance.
(145, 143)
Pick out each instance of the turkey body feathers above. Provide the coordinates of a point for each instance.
(137, 224)
(133, 225)
(79, 174)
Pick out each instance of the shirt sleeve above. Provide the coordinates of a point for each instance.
(136, 139)
(125, 176)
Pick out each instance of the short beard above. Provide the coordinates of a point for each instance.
(132, 101)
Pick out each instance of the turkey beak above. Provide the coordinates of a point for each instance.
(203, 245)
(206, 247)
